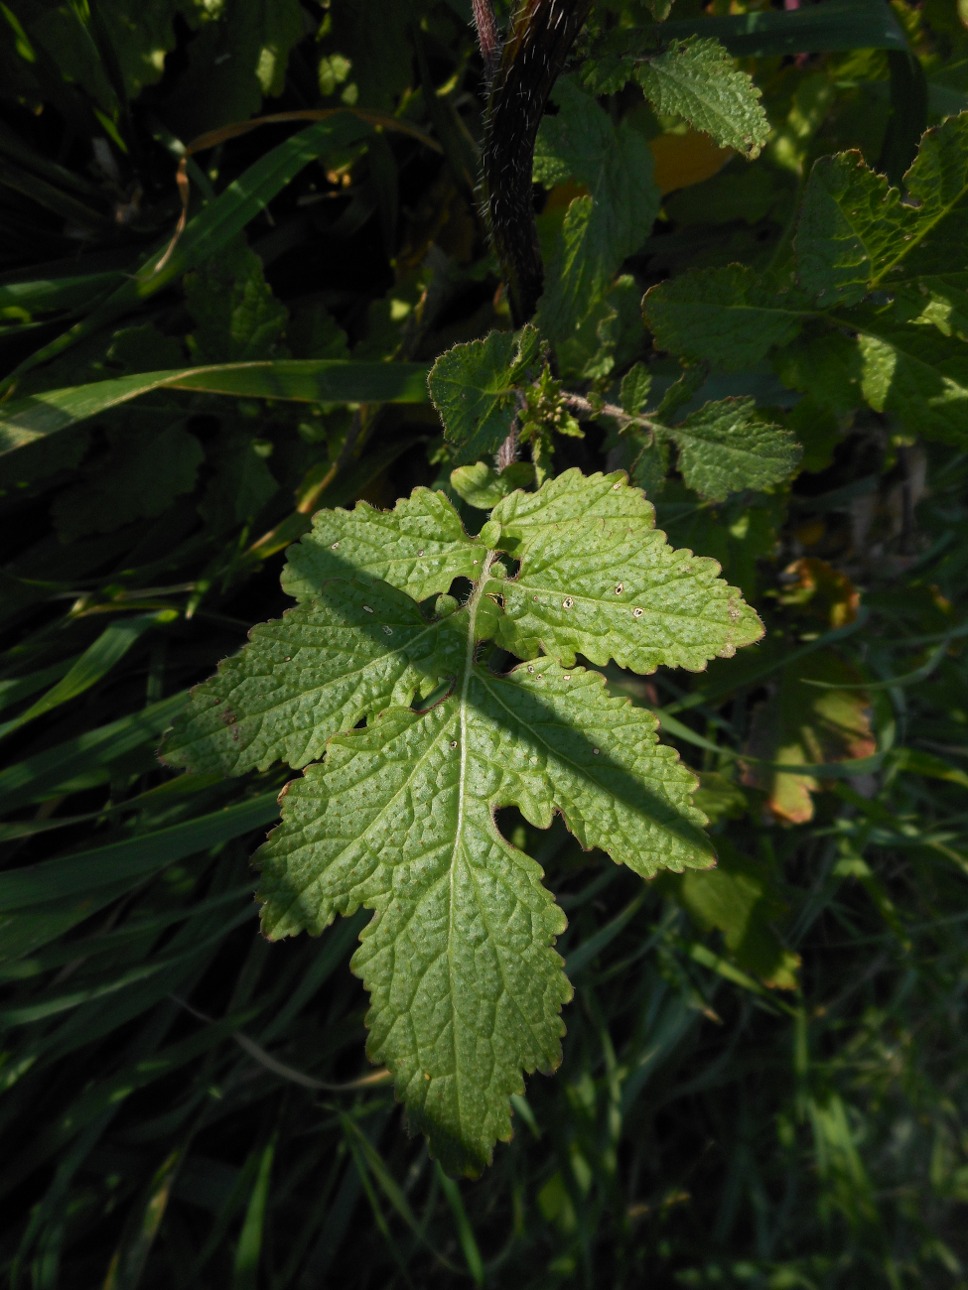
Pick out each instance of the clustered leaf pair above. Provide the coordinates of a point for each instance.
(398, 700)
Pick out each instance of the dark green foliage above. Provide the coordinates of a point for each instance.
(762, 1081)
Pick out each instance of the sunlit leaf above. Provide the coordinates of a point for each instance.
(399, 817)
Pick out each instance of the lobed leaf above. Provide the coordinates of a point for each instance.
(321, 668)
(459, 962)
(420, 547)
(465, 984)
(847, 229)
(857, 233)
(597, 578)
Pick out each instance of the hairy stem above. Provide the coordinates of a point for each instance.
(487, 38)
(541, 36)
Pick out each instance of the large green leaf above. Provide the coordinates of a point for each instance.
(464, 981)
(459, 958)
(729, 316)
(858, 234)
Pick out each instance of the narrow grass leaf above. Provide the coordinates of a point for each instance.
(96, 661)
(38, 416)
(87, 757)
(248, 1252)
(131, 861)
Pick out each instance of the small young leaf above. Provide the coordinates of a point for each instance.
(636, 385)
(726, 447)
(482, 486)
(474, 388)
(697, 80)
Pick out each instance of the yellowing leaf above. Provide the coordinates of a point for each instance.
(686, 158)
(821, 592)
(808, 722)
(738, 898)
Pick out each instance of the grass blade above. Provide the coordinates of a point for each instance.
(96, 661)
(38, 416)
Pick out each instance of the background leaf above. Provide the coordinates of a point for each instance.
(696, 80)
(726, 447)
(606, 225)
(857, 233)
(809, 719)
(25, 421)
(730, 316)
